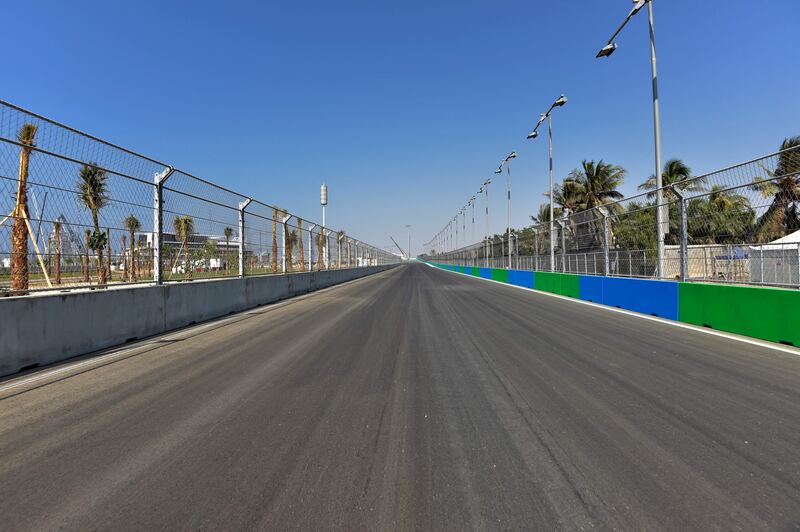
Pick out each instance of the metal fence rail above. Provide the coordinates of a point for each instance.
(740, 225)
(77, 211)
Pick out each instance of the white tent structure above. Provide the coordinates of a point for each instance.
(777, 262)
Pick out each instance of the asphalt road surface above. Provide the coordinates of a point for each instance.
(412, 399)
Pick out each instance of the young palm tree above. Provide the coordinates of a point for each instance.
(124, 264)
(108, 255)
(783, 186)
(320, 248)
(132, 224)
(19, 234)
(300, 252)
(184, 227)
(291, 241)
(287, 249)
(676, 173)
(228, 232)
(93, 194)
(87, 238)
(275, 240)
(57, 263)
(339, 238)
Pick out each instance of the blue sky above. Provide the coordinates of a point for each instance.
(404, 107)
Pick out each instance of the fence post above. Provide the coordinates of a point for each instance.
(606, 243)
(242, 206)
(310, 243)
(561, 224)
(536, 250)
(284, 221)
(158, 222)
(684, 235)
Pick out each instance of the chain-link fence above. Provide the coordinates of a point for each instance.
(77, 211)
(737, 225)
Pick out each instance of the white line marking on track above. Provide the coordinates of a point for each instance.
(731, 336)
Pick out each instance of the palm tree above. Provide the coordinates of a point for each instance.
(124, 265)
(57, 265)
(300, 252)
(676, 173)
(87, 238)
(543, 216)
(93, 194)
(339, 237)
(133, 225)
(275, 240)
(184, 227)
(783, 186)
(108, 255)
(19, 234)
(599, 181)
(228, 232)
(287, 249)
(320, 247)
(722, 217)
(570, 195)
(291, 241)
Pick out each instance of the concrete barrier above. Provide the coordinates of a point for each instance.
(43, 329)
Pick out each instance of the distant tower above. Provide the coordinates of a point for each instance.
(323, 200)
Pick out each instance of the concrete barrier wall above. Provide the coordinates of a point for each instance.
(760, 312)
(39, 330)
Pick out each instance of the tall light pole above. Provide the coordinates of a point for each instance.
(472, 204)
(507, 163)
(560, 101)
(662, 211)
(323, 200)
(409, 241)
(485, 190)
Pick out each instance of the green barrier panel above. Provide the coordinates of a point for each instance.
(474, 271)
(766, 313)
(565, 284)
(499, 274)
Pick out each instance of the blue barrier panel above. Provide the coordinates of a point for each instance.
(659, 298)
(592, 288)
(521, 278)
(485, 273)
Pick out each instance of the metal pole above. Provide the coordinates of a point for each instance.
(606, 243)
(487, 225)
(563, 246)
(552, 242)
(242, 206)
(158, 222)
(508, 170)
(535, 250)
(662, 214)
(472, 202)
(310, 244)
(684, 242)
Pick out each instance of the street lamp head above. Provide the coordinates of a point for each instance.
(511, 155)
(561, 101)
(532, 135)
(499, 169)
(607, 50)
